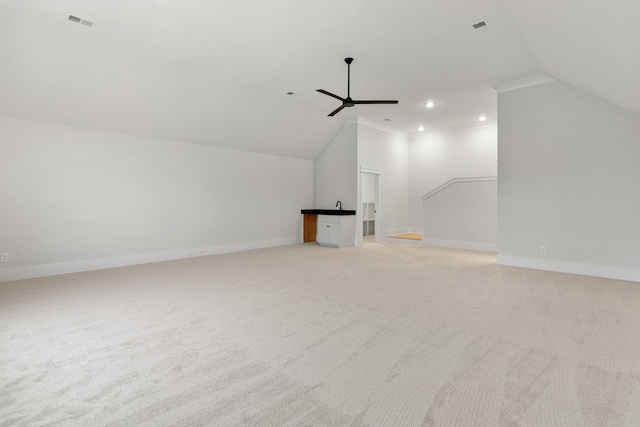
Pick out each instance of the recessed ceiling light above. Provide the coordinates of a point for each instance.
(421, 128)
(430, 104)
(289, 93)
(482, 118)
(387, 120)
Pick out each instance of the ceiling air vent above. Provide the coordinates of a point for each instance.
(481, 26)
(80, 21)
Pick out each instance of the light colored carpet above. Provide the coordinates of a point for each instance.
(383, 335)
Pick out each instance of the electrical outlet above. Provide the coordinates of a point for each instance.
(543, 250)
(190, 253)
(4, 257)
(278, 232)
(202, 252)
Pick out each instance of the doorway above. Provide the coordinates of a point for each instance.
(370, 212)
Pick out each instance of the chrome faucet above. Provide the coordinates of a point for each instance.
(339, 203)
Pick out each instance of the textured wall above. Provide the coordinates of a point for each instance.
(388, 153)
(335, 171)
(568, 180)
(436, 159)
(463, 215)
(70, 194)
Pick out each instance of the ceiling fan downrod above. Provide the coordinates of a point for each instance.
(348, 102)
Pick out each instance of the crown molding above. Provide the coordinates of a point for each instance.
(381, 127)
(454, 129)
(538, 79)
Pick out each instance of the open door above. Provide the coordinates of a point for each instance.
(370, 212)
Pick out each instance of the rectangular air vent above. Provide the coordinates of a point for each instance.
(78, 20)
(481, 26)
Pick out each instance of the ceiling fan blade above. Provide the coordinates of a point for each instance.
(375, 102)
(336, 111)
(330, 94)
(348, 102)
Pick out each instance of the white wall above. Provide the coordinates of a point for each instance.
(569, 180)
(462, 215)
(387, 152)
(336, 171)
(437, 158)
(73, 199)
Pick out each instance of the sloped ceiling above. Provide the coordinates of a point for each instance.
(217, 72)
(592, 45)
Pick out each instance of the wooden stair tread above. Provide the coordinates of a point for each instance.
(410, 236)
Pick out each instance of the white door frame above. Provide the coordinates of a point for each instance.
(378, 212)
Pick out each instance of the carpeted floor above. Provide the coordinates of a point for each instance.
(387, 334)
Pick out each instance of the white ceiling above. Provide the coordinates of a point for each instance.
(591, 44)
(217, 72)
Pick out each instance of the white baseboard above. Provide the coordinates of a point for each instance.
(603, 271)
(43, 270)
(457, 244)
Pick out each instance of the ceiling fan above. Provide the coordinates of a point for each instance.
(348, 102)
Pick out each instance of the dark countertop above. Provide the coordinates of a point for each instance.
(327, 212)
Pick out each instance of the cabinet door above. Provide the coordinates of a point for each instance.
(328, 233)
(334, 234)
(323, 232)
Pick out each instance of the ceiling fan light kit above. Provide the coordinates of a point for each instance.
(348, 102)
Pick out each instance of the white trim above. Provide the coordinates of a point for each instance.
(457, 244)
(43, 270)
(455, 181)
(370, 170)
(381, 127)
(418, 230)
(378, 217)
(454, 129)
(538, 79)
(570, 267)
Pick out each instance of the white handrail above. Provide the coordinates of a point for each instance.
(455, 181)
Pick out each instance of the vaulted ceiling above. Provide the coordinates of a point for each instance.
(218, 72)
